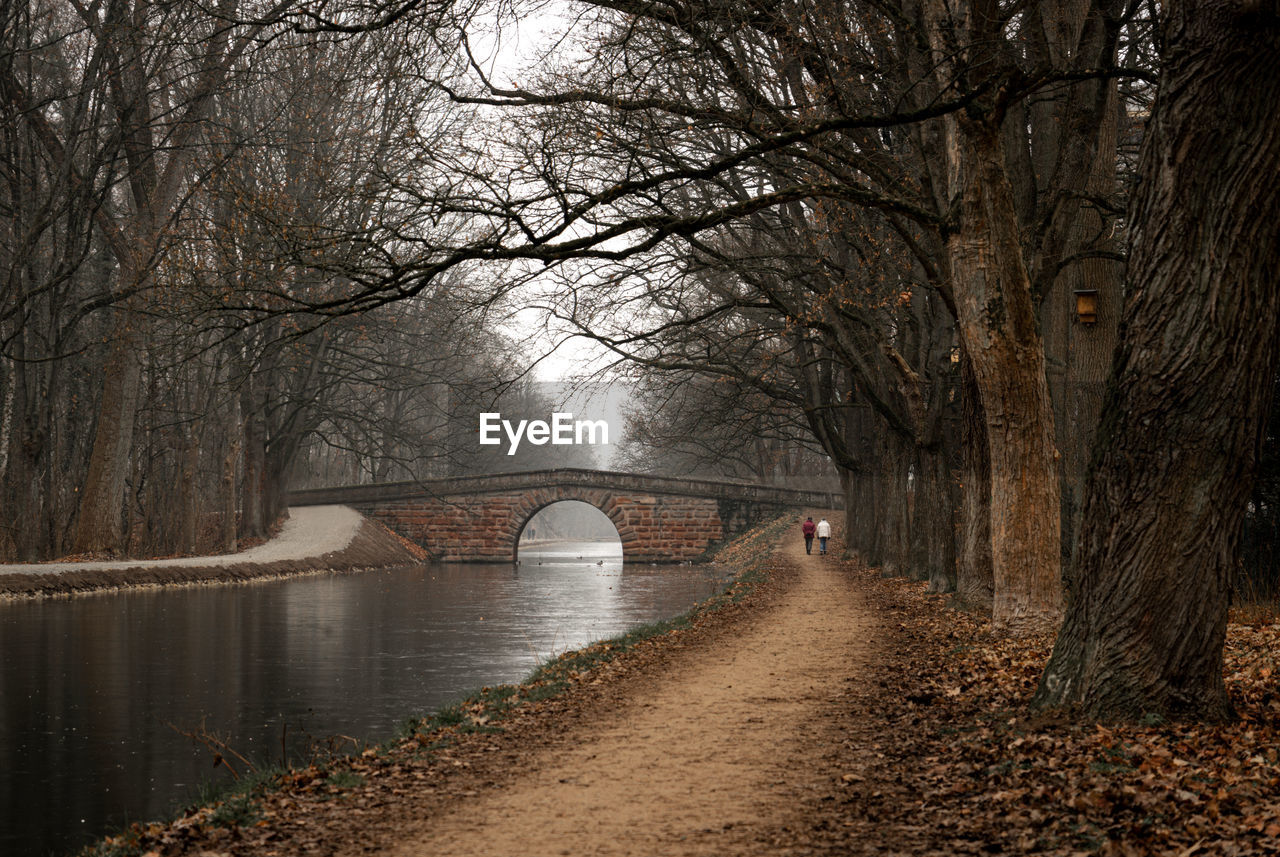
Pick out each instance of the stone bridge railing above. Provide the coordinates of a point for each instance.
(480, 518)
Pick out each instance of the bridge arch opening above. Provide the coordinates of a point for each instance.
(569, 531)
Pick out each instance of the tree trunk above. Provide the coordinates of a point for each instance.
(26, 452)
(1189, 396)
(189, 491)
(860, 513)
(933, 554)
(279, 464)
(999, 330)
(975, 584)
(253, 487)
(1091, 346)
(228, 535)
(100, 527)
(849, 490)
(869, 509)
(859, 485)
(892, 544)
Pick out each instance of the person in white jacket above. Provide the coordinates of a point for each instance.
(824, 533)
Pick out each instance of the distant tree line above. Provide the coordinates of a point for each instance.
(182, 194)
(699, 425)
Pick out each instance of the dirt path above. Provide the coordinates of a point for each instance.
(711, 758)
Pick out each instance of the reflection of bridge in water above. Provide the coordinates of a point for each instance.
(480, 518)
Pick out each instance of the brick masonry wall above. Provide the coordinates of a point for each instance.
(486, 528)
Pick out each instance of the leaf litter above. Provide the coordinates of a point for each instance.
(947, 757)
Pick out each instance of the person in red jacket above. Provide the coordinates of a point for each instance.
(808, 528)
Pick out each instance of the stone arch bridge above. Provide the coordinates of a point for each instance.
(480, 518)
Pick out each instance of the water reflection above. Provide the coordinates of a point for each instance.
(88, 686)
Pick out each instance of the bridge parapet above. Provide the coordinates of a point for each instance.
(564, 477)
(480, 518)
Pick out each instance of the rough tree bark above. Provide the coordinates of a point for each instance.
(933, 544)
(892, 543)
(1084, 390)
(859, 484)
(998, 326)
(100, 525)
(1079, 354)
(996, 320)
(1145, 627)
(975, 585)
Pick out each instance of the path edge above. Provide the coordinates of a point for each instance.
(372, 547)
(448, 749)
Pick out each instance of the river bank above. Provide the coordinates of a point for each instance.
(313, 540)
(815, 708)
(467, 749)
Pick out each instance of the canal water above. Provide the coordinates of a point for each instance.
(95, 690)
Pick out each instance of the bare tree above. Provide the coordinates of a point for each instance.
(178, 185)
(1190, 394)
(147, 75)
(912, 111)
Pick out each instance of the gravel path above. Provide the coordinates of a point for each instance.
(309, 531)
